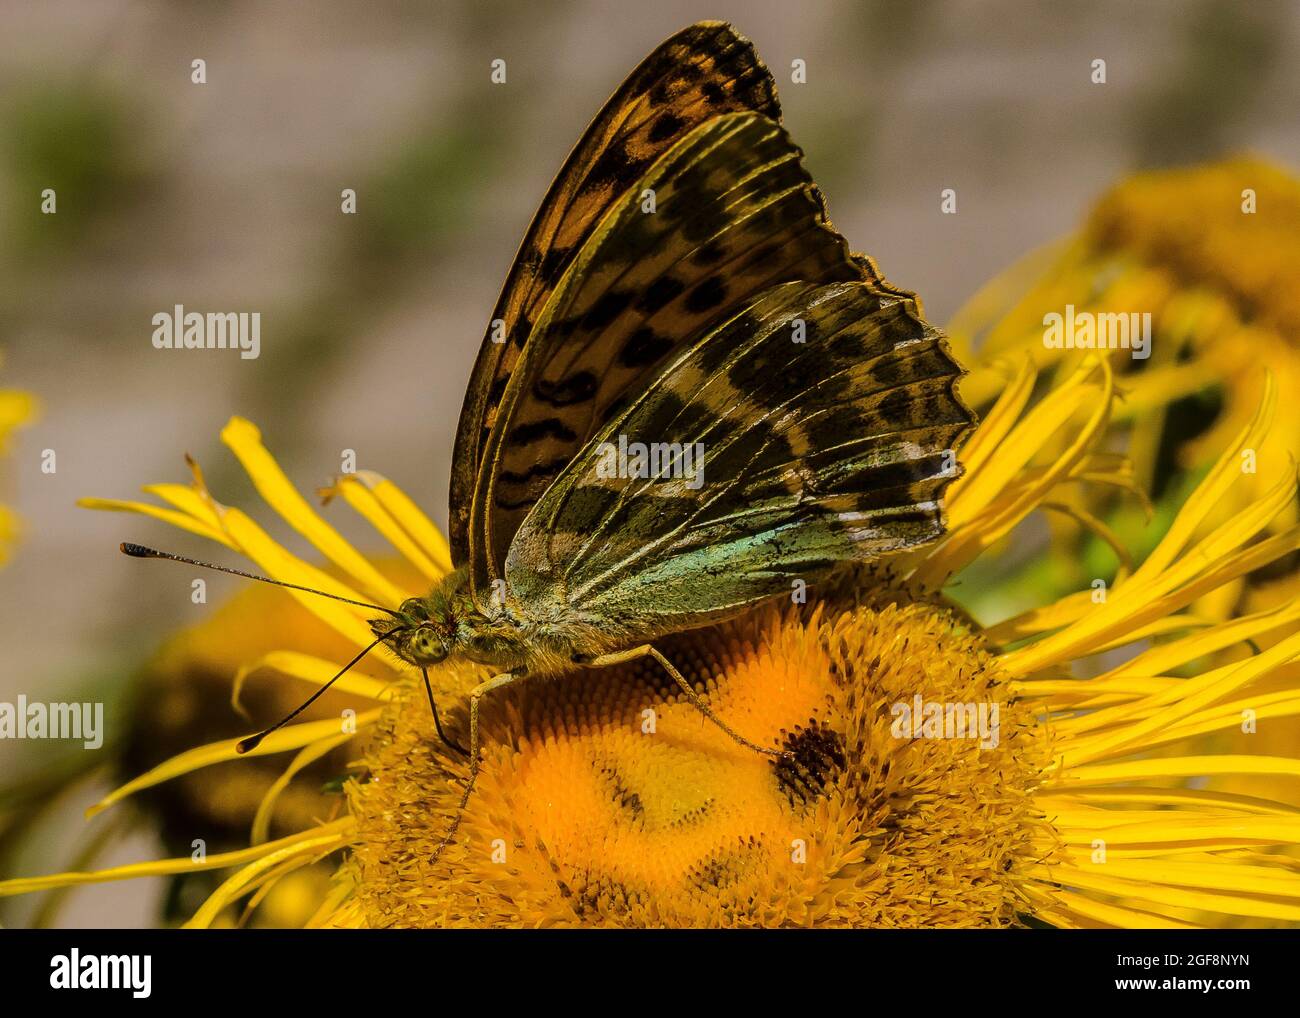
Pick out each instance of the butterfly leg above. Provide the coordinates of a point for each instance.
(647, 650)
(475, 695)
(437, 722)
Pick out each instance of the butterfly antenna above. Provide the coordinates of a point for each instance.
(140, 551)
(437, 721)
(253, 741)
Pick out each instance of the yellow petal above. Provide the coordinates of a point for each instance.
(1223, 717)
(1135, 604)
(1168, 656)
(991, 474)
(1181, 897)
(1178, 767)
(360, 496)
(291, 737)
(314, 670)
(188, 500)
(997, 495)
(306, 756)
(338, 894)
(1112, 915)
(1275, 881)
(238, 883)
(10, 528)
(245, 441)
(1168, 797)
(253, 541)
(1226, 472)
(1196, 694)
(996, 425)
(183, 521)
(17, 408)
(165, 867)
(410, 516)
(987, 308)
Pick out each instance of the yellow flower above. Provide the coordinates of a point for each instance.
(16, 410)
(606, 800)
(1210, 252)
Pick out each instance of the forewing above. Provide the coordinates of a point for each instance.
(815, 452)
(701, 72)
(735, 213)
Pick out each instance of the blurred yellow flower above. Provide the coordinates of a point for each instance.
(1210, 253)
(16, 410)
(603, 800)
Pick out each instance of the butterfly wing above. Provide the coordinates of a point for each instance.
(811, 453)
(701, 72)
(734, 214)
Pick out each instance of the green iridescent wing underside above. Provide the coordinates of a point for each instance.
(815, 453)
(734, 214)
(703, 71)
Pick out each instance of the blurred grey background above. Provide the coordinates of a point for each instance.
(225, 196)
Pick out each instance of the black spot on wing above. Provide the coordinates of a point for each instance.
(757, 445)
(714, 92)
(519, 334)
(920, 519)
(665, 127)
(688, 72)
(659, 417)
(608, 307)
(766, 253)
(613, 410)
(528, 261)
(710, 254)
(777, 368)
(614, 166)
(576, 388)
(661, 94)
(660, 293)
(908, 481)
(551, 265)
(552, 427)
(584, 506)
(651, 512)
(707, 295)
(643, 347)
(548, 469)
(712, 355)
(899, 405)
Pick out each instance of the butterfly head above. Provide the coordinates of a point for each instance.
(423, 632)
(427, 630)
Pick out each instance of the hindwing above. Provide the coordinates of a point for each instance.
(822, 421)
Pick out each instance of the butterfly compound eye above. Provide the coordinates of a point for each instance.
(412, 607)
(428, 646)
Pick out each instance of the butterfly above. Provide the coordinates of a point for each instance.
(691, 396)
